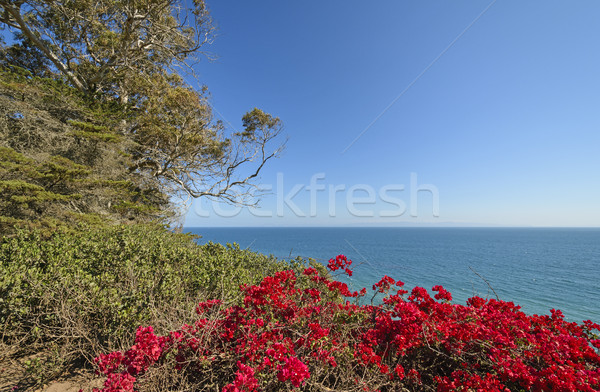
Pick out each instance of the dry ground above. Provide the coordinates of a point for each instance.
(14, 378)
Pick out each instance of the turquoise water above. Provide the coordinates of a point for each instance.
(536, 268)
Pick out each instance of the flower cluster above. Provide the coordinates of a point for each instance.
(121, 368)
(300, 332)
(340, 262)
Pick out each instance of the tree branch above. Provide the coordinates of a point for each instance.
(14, 12)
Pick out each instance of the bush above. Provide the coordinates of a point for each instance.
(79, 293)
(290, 335)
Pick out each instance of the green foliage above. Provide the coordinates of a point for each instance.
(88, 127)
(105, 46)
(123, 162)
(97, 83)
(84, 291)
(92, 136)
(29, 189)
(26, 56)
(256, 120)
(93, 131)
(62, 158)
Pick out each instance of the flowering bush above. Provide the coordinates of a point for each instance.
(298, 332)
(78, 293)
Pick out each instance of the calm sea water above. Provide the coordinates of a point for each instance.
(536, 268)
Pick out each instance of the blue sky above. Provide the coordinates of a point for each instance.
(501, 130)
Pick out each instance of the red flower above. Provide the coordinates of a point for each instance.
(285, 330)
(293, 370)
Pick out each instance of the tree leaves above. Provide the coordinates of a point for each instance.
(106, 88)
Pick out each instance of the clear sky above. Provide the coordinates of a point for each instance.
(499, 125)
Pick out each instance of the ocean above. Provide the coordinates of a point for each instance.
(537, 268)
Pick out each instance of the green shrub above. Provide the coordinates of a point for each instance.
(79, 293)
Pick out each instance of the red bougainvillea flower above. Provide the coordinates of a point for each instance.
(300, 331)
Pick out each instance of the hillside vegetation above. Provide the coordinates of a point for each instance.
(103, 145)
(77, 294)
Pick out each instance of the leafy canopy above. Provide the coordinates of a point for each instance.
(101, 86)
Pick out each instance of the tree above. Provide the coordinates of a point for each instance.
(105, 45)
(25, 55)
(174, 141)
(134, 57)
(62, 160)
